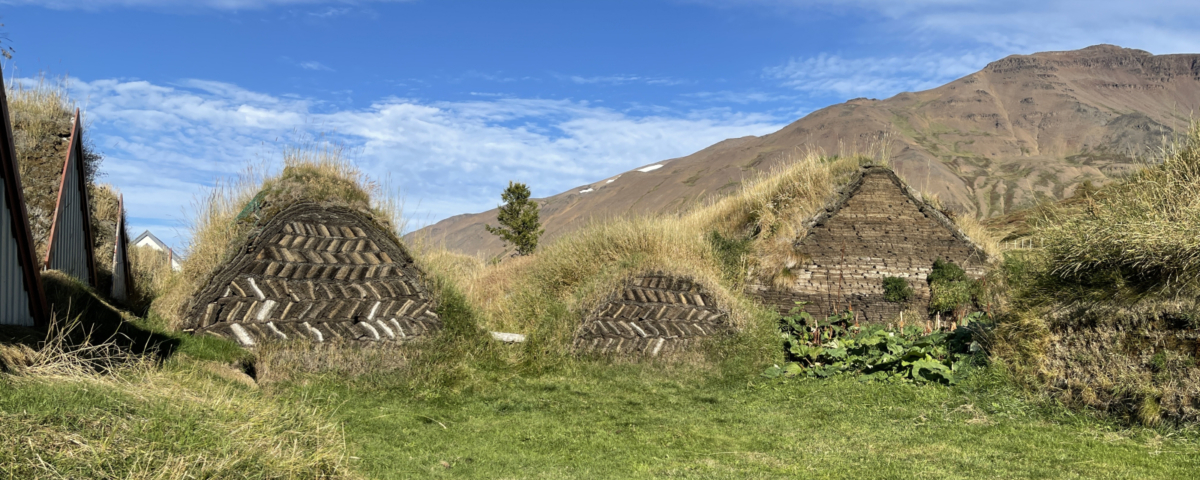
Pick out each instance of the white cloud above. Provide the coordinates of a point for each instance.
(623, 80)
(166, 143)
(330, 12)
(743, 97)
(314, 65)
(874, 76)
(961, 36)
(1027, 26)
(189, 4)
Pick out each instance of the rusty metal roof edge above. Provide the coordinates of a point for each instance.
(20, 216)
(75, 147)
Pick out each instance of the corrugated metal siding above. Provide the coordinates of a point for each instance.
(69, 246)
(70, 249)
(120, 268)
(14, 299)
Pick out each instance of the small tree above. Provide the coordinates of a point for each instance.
(518, 217)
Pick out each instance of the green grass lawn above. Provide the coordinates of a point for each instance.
(631, 421)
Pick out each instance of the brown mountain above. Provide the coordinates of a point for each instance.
(1024, 127)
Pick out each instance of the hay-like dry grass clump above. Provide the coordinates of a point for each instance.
(1138, 234)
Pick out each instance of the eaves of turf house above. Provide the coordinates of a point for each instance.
(877, 227)
(313, 270)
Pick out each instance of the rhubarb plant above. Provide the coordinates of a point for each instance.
(835, 345)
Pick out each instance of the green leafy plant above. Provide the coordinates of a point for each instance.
(946, 271)
(896, 290)
(518, 217)
(833, 346)
(949, 296)
(950, 289)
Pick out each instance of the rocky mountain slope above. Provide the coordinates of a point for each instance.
(1023, 128)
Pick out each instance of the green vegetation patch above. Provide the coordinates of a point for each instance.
(897, 290)
(836, 346)
(1104, 316)
(654, 420)
(950, 289)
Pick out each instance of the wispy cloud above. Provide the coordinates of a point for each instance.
(314, 65)
(329, 12)
(1025, 26)
(742, 97)
(165, 143)
(499, 77)
(623, 80)
(874, 76)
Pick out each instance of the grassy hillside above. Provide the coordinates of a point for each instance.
(135, 399)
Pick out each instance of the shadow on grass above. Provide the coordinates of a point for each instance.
(83, 317)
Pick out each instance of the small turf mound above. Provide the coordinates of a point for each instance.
(653, 314)
(1107, 315)
(307, 254)
(317, 272)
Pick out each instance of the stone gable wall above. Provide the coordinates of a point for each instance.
(652, 315)
(877, 230)
(317, 273)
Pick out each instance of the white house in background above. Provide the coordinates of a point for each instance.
(147, 239)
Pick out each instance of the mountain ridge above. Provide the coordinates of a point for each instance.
(1024, 127)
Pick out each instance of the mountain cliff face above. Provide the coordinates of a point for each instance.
(1023, 128)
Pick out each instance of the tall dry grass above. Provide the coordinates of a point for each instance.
(86, 401)
(68, 351)
(1139, 234)
(980, 235)
(152, 275)
(773, 207)
(61, 418)
(43, 109)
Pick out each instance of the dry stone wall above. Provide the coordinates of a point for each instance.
(652, 315)
(318, 273)
(876, 229)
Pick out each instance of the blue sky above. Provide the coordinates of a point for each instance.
(452, 99)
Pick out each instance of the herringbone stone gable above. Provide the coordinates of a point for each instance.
(652, 315)
(877, 228)
(317, 273)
